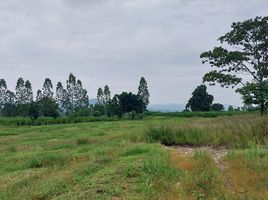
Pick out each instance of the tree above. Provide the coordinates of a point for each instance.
(230, 108)
(217, 107)
(48, 107)
(20, 92)
(107, 94)
(34, 110)
(130, 102)
(9, 108)
(61, 97)
(71, 93)
(38, 95)
(100, 96)
(115, 106)
(246, 66)
(47, 90)
(200, 100)
(3, 90)
(143, 93)
(28, 92)
(81, 97)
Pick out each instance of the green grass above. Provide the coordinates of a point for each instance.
(235, 131)
(114, 160)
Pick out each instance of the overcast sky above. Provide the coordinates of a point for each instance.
(115, 42)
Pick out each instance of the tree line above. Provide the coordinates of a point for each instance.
(70, 100)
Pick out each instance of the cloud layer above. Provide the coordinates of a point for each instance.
(115, 42)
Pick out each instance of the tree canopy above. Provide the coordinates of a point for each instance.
(200, 100)
(243, 61)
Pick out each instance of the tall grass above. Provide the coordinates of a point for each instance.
(210, 114)
(235, 131)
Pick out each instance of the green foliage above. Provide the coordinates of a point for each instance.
(200, 100)
(249, 38)
(143, 93)
(217, 107)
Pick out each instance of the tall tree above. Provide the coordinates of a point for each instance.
(246, 66)
(200, 100)
(20, 92)
(38, 95)
(107, 94)
(100, 96)
(71, 93)
(47, 90)
(10, 97)
(9, 109)
(61, 97)
(81, 97)
(143, 93)
(3, 90)
(28, 92)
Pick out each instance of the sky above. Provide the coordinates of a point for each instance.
(115, 42)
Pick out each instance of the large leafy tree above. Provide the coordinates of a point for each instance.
(200, 100)
(143, 93)
(130, 102)
(243, 61)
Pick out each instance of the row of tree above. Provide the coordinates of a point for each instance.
(73, 99)
(126, 102)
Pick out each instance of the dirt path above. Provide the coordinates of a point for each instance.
(216, 153)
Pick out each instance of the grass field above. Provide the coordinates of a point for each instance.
(121, 160)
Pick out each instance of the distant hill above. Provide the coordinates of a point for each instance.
(167, 107)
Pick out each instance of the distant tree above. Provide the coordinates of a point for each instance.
(107, 94)
(10, 97)
(200, 100)
(130, 102)
(20, 92)
(48, 107)
(34, 111)
(61, 97)
(3, 90)
(143, 93)
(47, 90)
(230, 108)
(38, 95)
(100, 96)
(71, 93)
(115, 106)
(9, 109)
(81, 97)
(28, 92)
(217, 107)
(247, 65)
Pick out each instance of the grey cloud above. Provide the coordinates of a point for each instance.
(116, 41)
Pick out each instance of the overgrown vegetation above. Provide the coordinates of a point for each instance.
(236, 131)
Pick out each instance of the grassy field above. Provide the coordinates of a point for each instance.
(124, 160)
